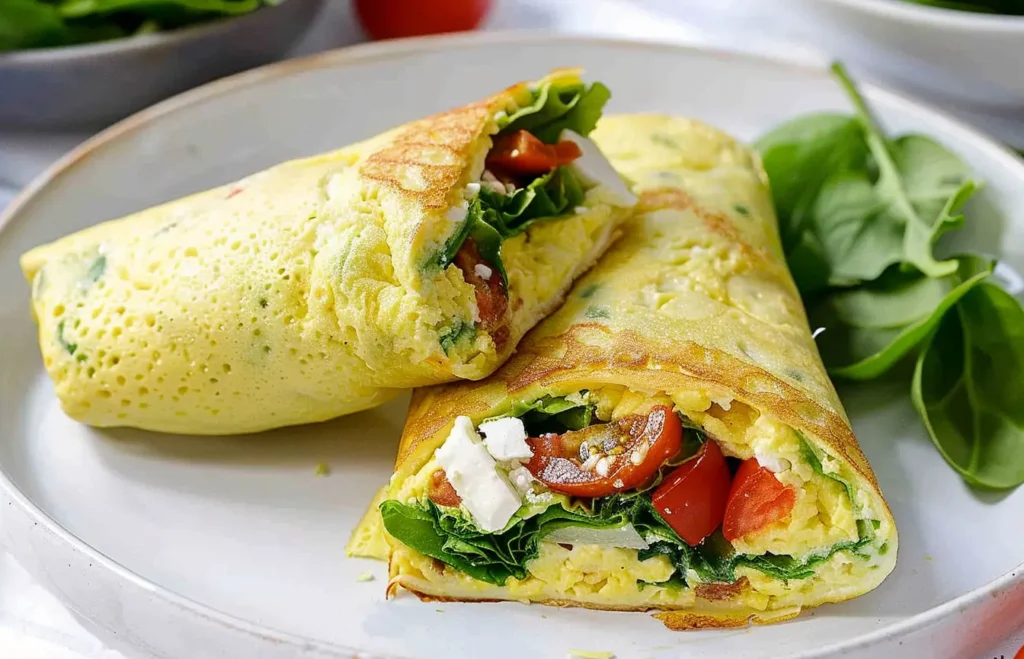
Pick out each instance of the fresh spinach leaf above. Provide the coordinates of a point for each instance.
(852, 203)
(799, 155)
(491, 557)
(906, 172)
(551, 414)
(30, 23)
(493, 218)
(967, 387)
(871, 327)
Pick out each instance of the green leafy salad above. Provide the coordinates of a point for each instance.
(1011, 7)
(859, 215)
(52, 23)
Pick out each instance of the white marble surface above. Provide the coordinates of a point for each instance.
(33, 625)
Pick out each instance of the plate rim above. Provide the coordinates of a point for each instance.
(375, 51)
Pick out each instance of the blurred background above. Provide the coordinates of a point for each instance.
(70, 68)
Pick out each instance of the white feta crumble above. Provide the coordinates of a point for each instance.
(506, 439)
(770, 462)
(472, 471)
(458, 213)
(522, 479)
(580, 210)
(482, 271)
(472, 190)
(593, 168)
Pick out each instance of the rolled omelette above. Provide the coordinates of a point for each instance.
(668, 440)
(323, 286)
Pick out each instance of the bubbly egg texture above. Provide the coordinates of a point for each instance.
(305, 292)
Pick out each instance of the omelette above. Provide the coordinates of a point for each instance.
(324, 286)
(668, 440)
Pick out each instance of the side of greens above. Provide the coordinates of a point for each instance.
(859, 217)
(51, 23)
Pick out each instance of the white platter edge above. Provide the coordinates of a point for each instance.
(129, 601)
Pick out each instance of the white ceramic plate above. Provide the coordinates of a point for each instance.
(199, 548)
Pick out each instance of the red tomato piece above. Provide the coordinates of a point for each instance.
(632, 449)
(1020, 654)
(757, 499)
(491, 297)
(391, 19)
(522, 154)
(692, 498)
(441, 491)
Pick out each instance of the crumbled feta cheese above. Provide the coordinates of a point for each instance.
(506, 439)
(522, 479)
(771, 462)
(482, 271)
(491, 181)
(458, 213)
(474, 474)
(472, 190)
(603, 466)
(580, 210)
(595, 169)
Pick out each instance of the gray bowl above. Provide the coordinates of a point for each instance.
(92, 85)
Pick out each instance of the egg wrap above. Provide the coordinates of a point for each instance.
(693, 308)
(314, 289)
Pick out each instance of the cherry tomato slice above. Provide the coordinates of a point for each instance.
(1020, 654)
(692, 498)
(389, 19)
(491, 297)
(441, 491)
(520, 153)
(757, 499)
(609, 457)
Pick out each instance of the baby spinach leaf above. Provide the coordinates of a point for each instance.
(493, 218)
(799, 156)
(29, 23)
(871, 327)
(968, 389)
(904, 173)
(553, 414)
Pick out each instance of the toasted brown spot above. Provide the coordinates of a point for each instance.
(683, 621)
(717, 592)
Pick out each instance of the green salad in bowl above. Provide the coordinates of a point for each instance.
(1012, 7)
(51, 23)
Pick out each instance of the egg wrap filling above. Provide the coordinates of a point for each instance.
(329, 284)
(668, 440)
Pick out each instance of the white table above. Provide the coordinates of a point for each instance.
(33, 624)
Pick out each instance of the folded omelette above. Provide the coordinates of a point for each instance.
(668, 440)
(323, 286)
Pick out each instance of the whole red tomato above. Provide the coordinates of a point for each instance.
(392, 19)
